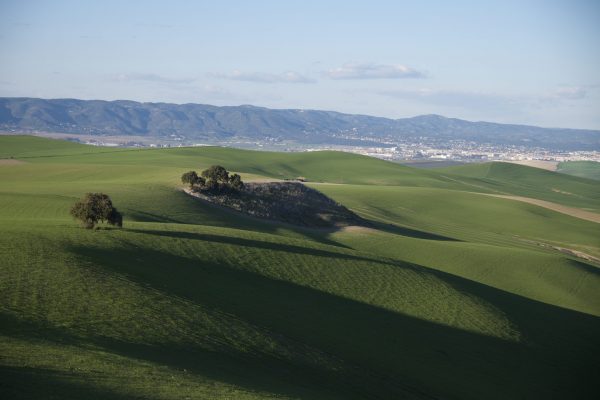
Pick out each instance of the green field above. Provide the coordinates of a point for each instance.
(582, 169)
(448, 294)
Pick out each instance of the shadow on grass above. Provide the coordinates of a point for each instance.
(401, 230)
(585, 267)
(214, 215)
(209, 214)
(390, 355)
(145, 216)
(413, 233)
(38, 383)
(257, 244)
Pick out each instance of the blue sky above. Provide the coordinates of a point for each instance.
(534, 62)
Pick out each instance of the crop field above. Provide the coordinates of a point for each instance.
(446, 294)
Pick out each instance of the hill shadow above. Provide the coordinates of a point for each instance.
(227, 217)
(39, 383)
(410, 232)
(388, 354)
(585, 267)
(258, 372)
(27, 382)
(258, 244)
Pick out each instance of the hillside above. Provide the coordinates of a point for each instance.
(447, 294)
(211, 124)
(582, 169)
(508, 178)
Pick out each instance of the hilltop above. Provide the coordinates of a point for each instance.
(212, 124)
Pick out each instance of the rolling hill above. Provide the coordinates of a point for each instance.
(448, 294)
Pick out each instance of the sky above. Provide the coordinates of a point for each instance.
(531, 62)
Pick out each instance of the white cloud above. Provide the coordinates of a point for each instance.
(373, 71)
(264, 77)
(147, 77)
(570, 93)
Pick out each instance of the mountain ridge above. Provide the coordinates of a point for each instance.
(209, 123)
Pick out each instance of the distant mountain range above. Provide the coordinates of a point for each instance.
(212, 124)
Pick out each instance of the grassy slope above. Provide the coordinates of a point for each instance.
(492, 241)
(521, 180)
(23, 147)
(193, 301)
(582, 169)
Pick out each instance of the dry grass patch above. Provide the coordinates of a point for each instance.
(10, 161)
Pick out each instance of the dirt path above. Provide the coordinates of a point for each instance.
(572, 211)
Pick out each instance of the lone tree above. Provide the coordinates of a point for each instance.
(96, 207)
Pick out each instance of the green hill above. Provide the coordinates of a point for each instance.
(582, 169)
(24, 147)
(450, 294)
(508, 178)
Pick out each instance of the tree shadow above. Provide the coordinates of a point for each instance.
(145, 216)
(226, 217)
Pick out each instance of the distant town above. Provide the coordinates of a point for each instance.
(424, 149)
(463, 151)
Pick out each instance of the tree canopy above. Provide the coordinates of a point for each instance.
(216, 173)
(236, 182)
(213, 179)
(96, 207)
(191, 178)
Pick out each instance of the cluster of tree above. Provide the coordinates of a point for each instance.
(213, 179)
(96, 207)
